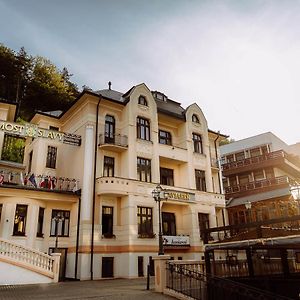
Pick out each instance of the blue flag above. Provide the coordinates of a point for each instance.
(32, 180)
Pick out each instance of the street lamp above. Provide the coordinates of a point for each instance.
(159, 194)
(248, 206)
(58, 218)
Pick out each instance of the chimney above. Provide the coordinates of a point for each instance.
(109, 85)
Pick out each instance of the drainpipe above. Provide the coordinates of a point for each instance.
(78, 193)
(219, 165)
(94, 189)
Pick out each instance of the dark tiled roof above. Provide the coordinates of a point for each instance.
(111, 94)
(170, 107)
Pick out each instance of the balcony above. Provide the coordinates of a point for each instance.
(257, 187)
(12, 179)
(279, 159)
(173, 153)
(176, 241)
(113, 186)
(117, 142)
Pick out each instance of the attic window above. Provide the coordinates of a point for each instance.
(195, 119)
(161, 96)
(143, 101)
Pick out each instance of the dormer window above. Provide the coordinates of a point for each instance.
(143, 101)
(195, 119)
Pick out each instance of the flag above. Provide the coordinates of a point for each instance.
(75, 188)
(53, 181)
(1, 178)
(32, 180)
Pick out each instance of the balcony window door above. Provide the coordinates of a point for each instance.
(107, 221)
(168, 224)
(109, 166)
(20, 219)
(200, 180)
(144, 169)
(164, 137)
(197, 141)
(203, 220)
(145, 223)
(166, 176)
(143, 129)
(109, 129)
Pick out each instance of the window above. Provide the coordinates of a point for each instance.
(197, 143)
(229, 158)
(143, 129)
(243, 179)
(51, 157)
(109, 129)
(20, 220)
(145, 227)
(107, 221)
(200, 180)
(109, 166)
(144, 169)
(39, 232)
(258, 175)
(53, 128)
(195, 119)
(143, 101)
(240, 156)
(255, 152)
(166, 176)
(164, 137)
(269, 173)
(60, 221)
(168, 224)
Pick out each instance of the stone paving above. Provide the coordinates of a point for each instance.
(114, 289)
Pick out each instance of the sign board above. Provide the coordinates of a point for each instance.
(177, 240)
(180, 196)
(33, 131)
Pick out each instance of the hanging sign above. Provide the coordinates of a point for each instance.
(33, 131)
(180, 196)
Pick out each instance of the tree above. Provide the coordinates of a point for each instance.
(226, 141)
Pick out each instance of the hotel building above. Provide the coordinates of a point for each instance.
(85, 185)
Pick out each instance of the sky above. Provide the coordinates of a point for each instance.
(239, 60)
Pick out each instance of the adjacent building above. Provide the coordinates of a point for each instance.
(257, 174)
(85, 186)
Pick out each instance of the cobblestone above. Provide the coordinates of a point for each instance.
(115, 289)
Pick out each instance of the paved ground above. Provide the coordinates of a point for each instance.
(116, 289)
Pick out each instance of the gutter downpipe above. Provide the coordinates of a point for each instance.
(78, 193)
(94, 189)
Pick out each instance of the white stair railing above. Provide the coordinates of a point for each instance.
(29, 258)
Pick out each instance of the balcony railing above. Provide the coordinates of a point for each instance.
(258, 184)
(116, 139)
(258, 159)
(32, 181)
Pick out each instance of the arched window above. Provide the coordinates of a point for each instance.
(197, 141)
(195, 119)
(109, 129)
(143, 101)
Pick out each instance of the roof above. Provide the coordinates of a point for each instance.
(111, 94)
(259, 197)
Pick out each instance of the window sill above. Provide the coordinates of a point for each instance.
(147, 236)
(144, 141)
(59, 236)
(108, 236)
(19, 235)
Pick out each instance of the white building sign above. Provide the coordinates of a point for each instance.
(169, 240)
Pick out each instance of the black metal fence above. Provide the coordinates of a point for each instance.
(190, 280)
(186, 280)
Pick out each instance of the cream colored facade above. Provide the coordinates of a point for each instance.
(127, 248)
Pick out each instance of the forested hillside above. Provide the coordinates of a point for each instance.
(34, 82)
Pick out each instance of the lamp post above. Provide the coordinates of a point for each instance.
(248, 206)
(159, 194)
(58, 218)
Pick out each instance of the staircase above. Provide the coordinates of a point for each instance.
(23, 265)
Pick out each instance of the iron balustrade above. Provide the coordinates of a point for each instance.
(191, 280)
(258, 184)
(116, 139)
(23, 180)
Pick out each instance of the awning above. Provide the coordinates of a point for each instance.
(292, 240)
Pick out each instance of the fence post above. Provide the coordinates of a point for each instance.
(56, 262)
(160, 272)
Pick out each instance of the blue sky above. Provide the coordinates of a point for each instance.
(239, 60)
